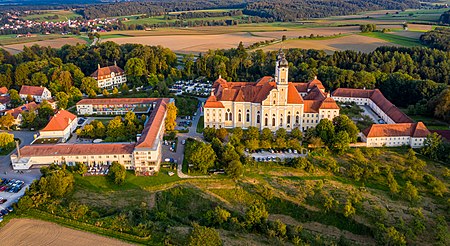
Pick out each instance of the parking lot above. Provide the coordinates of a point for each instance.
(276, 155)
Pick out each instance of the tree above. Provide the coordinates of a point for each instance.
(410, 192)
(171, 117)
(341, 142)
(349, 210)
(218, 216)
(135, 69)
(117, 173)
(234, 169)
(6, 140)
(256, 214)
(266, 134)
(115, 92)
(39, 79)
(62, 100)
(325, 130)
(281, 133)
(392, 183)
(16, 101)
(124, 89)
(432, 146)
(296, 133)
(343, 123)
(56, 183)
(443, 106)
(204, 236)
(221, 134)
(105, 92)
(7, 121)
(89, 83)
(116, 128)
(200, 155)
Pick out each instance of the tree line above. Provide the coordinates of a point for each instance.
(438, 38)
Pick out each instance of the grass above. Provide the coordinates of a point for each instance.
(101, 184)
(201, 124)
(393, 38)
(63, 15)
(431, 123)
(162, 19)
(11, 39)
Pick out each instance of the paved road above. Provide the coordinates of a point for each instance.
(6, 171)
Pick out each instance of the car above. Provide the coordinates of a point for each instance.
(183, 142)
(4, 212)
(10, 209)
(3, 188)
(3, 200)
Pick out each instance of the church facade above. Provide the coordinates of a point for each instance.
(269, 102)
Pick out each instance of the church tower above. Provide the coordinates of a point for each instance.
(281, 69)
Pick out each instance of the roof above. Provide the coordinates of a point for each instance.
(3, 90)
(60, 121)
(76, 149)
(293, 95)
(212, 102)
(17, 111)
(113, 101)
(418, 130)
(378, 98)
(5, 99)
(154, 122)
(105, 72)
(32, 90)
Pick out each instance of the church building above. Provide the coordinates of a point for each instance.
(269, 102)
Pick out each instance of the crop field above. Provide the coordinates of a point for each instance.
(394, 38)
(56, 42)
(37, 232)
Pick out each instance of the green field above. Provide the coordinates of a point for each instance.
(161, 19)
(63, 15)
(395, 39)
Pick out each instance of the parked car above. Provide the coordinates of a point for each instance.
(3, 200)
(4, 212)
(10, 209)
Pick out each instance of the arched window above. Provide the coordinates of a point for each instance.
(281, 120)
(239, 116)
(289, 119)
(248, 116)
(273, 120)
(266, 120)
(297, 118)
(274, 102)
(228, 115)
(258, 118)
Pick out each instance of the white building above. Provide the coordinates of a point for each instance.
(115, 106)
(109, 77)
(61, 125)
(143, 156)
(394, 135)
(38, 93)
(269, 103)
(387, 111)
(17, 112)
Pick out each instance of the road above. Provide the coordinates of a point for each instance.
(179, 154)
(6, 171)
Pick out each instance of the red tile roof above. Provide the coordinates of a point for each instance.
(329, 103)
(76, 149)
(105, 72)
(397, 130)
(212, 102)
(26, 107)
(60, 121)
(32, 90)
(154, 122)
(378, 98)
(5, 99)
(293, 95)
(3, 90)
(113, 101)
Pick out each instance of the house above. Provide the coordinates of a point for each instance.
(109, 77)
(115, 106)
(269, 102)
(61, 125)
(3, 91)
(17, 112)
(394, 135)
(4, 102)
(38, 93)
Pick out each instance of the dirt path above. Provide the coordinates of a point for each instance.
(36, 232)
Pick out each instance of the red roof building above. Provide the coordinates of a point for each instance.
(391, 135)
(38, 93)
(109, 77)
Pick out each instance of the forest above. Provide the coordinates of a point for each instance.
(289, 10)
(438, 38)
(445, 18)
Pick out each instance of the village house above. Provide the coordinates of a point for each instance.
(394, 135)
(115, 106)
(109, 77)
(38, 93)
(61, 125)
(17, 112)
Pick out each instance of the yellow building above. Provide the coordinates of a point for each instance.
(269, 103)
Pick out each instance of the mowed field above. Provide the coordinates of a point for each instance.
(54, 43)
(36, 232)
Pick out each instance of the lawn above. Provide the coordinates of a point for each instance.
(201, 124)
(395, 39)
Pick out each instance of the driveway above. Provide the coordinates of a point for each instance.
(6, 171)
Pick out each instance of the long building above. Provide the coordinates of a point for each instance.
(115, 106)
(143, 156)
(394, 135)
(269, 103)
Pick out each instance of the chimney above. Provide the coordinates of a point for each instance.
(115, 63)
(315, 77)
(18, 149)
(220, 76)
(98, 66)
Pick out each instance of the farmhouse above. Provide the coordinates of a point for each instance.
(393, 135)
(4, 102)
(269, 103)
(38, 93)
(109, 77)
(61, 125)
(143, 156)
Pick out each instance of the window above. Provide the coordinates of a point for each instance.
(258, 118)
(273, 120)
(248, 116)
(281, 120)
(289, 119)
(266, 120)
(239, 116)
